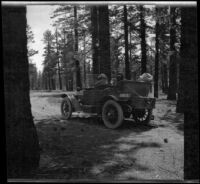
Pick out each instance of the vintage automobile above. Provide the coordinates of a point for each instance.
(113, 104)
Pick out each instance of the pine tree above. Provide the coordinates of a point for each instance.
(188, 91)
(104, 41)
(173, 61)
(143, 39)
(127, 68)
(157, 56)
(22, 145)
(95, 41)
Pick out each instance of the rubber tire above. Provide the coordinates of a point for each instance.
(146, 121)
(66, 100)
(120, 114)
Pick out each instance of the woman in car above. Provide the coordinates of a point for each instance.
(102, 80)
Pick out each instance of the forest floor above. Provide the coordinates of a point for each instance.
(84, 149)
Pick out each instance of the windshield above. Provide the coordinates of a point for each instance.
(91, 80)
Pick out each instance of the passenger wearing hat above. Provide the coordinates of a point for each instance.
(102, 80)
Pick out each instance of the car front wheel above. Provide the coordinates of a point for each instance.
(66, 108)
(112, 114)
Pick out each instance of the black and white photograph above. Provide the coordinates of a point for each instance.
(100, 91)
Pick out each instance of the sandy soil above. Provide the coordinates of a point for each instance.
(83, 148)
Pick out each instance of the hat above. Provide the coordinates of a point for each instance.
(102, 76)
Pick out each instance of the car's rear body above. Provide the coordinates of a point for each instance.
(134, 94)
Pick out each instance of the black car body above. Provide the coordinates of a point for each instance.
(127, 99)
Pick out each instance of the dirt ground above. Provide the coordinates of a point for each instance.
(83, 148)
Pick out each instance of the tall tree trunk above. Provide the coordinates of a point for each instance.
(162, 79)
(78, 78)
(52, 83)
(75, 29)
(165, 78)
(143, 40)
(156, 57)
(22, 146)
(49, 80)
(127, 68)
(58, 61)
(172, 64)
(104, 41)
(78, 74)
(130, 43)
(84, 59)
(46, 83)
(188, 91)
(95, 41)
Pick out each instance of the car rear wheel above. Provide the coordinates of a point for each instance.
(66, 108)
(142, 115)
(112, 114)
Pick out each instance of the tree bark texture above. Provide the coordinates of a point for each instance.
(172, 63)
(95, 41)
(156, 75)
(127, 68)
(188, 91)
(143, 40)
(104, 41)
(22, 146)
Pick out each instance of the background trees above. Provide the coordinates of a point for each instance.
(143, 39)
(130, 39)
(127, 68)
(31, 52)
(157, 32)
(173, 61)
(50, 60)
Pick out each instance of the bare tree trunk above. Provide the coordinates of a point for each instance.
(143, 40)
(22, 146)
(164, 78)
(127, 68)
(46, 83)
(75, 29)
(78, 78)
(173, 64)
(84, 66)
(104, 41)
(188, 91)
(95, 41)
(49, 80)
(58, 61)
(156, 58)
(130, 53)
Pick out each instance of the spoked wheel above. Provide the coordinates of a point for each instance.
(66, 108)
(142, 115)
(112, 114)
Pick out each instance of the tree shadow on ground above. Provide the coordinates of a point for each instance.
(86, 149)
(175, 119)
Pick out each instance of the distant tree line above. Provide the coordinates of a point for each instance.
(130, 39)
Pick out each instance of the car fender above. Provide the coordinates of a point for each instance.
(109, 97)
(71, 98)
